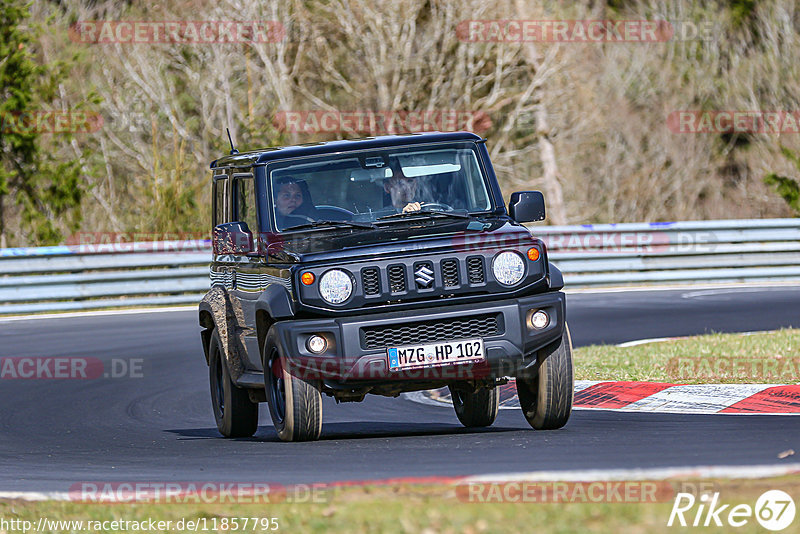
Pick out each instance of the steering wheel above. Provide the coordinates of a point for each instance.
(436, 205)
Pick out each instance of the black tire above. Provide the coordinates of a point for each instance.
(235, 413)
(546, 399)
(475, 408)
(295, 405)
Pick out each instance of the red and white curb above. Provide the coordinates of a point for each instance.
(658, 397)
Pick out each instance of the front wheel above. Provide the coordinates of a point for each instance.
(546, 399)
(475, 408)
(295, 405)
(236, 415)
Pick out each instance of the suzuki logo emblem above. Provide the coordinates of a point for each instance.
(424, 276)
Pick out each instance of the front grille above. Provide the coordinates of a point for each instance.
(430, 331)
(397, 278)
(371, 280)
(450, 273)
(475, 270)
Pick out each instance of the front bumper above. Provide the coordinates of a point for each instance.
(352, 355)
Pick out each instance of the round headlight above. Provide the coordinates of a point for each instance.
(335, 286)
(508, 268)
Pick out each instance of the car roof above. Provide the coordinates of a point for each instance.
(263, 155)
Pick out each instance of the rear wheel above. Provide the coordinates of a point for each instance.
(475, 408)
(546, 399)
(235, 414)
(295, 405)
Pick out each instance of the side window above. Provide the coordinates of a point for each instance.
(246, 200)
(220, 214)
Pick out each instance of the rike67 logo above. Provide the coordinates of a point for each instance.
(774, 510)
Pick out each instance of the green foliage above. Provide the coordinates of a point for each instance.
(170, 196)
(787, 188)
(664, 361)
(742, 11)
(47, 190)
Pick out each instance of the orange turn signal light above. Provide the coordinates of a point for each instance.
(307, 279)
(533, 254)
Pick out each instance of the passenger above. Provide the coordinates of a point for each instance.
(293, 205)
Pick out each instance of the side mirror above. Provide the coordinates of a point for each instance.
(232, 238)
(526, 206)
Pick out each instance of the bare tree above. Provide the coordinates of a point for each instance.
(584, 122)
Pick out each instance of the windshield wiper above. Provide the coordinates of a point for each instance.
(410, 214)
(324, 224)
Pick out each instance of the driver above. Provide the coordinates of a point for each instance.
(403, 191)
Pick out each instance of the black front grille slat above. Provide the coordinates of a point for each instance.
(430, 331)
(397, 278)
(475, 270)
(450, 272)
(371, 280)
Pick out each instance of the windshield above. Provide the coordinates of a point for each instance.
(368, 186)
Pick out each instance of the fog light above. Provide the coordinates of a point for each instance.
(316, 344)
(539, 320)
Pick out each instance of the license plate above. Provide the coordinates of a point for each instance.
(435, 354)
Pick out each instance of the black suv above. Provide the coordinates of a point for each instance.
(380, 265)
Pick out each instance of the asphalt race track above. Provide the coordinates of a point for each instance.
(159, 426)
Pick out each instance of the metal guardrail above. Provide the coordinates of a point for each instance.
(91, 276)
(753, 250)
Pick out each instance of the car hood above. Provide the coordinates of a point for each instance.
(429, 236)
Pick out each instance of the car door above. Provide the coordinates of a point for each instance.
(246, 283)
